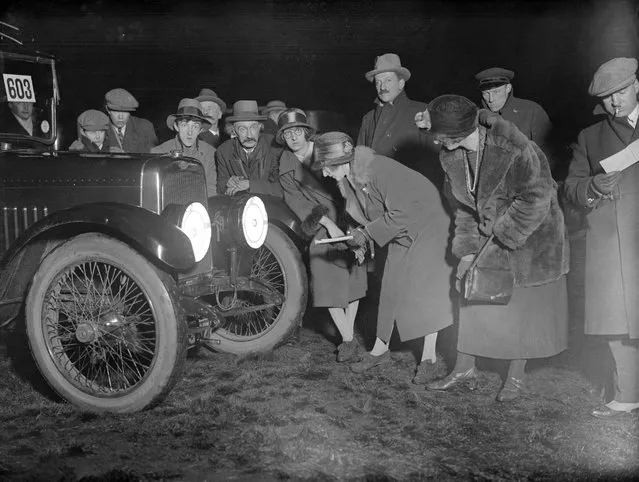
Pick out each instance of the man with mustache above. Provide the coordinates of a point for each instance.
(248, 161)
(389, 129)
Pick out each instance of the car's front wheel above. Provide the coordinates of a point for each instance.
(104, 325)
(277, 264)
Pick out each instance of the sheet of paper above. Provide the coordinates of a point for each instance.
(333, 240)
(622, 159)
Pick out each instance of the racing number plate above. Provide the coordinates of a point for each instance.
(19, 88)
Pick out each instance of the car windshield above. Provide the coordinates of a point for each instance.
(28, 98)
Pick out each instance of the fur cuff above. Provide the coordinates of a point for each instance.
(311, 224)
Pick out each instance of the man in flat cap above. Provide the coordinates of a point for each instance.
(529, 117)
(248, 161)
(188, 122)
(213, 107)
(92, 127)
(389, 129)
(126, 132)
(611, 200)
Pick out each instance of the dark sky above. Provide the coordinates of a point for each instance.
(313, 54)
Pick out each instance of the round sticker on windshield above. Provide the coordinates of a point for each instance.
(44, 127)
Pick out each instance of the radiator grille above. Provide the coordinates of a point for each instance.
(15, 220)
(183, 187)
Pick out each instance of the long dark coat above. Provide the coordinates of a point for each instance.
(402, 209)
(390, 131)
(517, 201)
(336, 279)
(139, 136)
(612, 236)
(261, 167)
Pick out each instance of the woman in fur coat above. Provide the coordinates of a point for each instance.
(499, 183)
(399, 208)
(337, 280)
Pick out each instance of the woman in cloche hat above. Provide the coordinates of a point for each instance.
(337, 280)
(398, 207)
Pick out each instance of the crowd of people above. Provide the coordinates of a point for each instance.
(423, 180)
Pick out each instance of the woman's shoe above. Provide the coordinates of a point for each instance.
(369, 361)
(511, 390)
(427, 372)
(467, 378)
(348, 351)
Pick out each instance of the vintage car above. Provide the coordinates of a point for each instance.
(118, 264)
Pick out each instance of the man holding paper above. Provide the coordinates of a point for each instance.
(604, 179)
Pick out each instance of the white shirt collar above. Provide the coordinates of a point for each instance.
(633, 116)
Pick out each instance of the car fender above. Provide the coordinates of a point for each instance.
(146, 231)
(283, 217)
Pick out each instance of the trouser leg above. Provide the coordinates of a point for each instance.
(626, 355)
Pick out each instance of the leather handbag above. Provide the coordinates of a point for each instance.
(488, 284)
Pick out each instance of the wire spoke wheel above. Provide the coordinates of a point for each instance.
(104, 326)
(277, 264)
(100, 328)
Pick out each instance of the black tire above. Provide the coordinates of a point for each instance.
(104, 326)
(266, 329)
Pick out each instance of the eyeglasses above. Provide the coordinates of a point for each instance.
(293, 132)
(183, 123)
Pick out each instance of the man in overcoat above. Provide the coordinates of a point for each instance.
(612, 244)
(213, 108)
(127, 133)
(248, 161)
(188, 122)
(530, 118)
(389, 129)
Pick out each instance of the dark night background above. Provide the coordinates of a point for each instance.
(313, 54)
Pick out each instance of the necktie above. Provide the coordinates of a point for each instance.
(120, 135)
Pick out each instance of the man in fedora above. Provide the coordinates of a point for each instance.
(272, 110)
(389, 129)
(529, 117)
(126, 132)
(610, 199)
(213, 107)
(188, 122)
(249, 161)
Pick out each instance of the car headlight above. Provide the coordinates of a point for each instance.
(193, 220)
(240, 220)
(254, 222)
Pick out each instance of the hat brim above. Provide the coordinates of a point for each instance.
(246, 118)
(170, 121)
(338, 161)
(212, 98)
(402, 72)
(491, 84)
(614, 89)
(95, 128)
(279, 135)
(119, 108)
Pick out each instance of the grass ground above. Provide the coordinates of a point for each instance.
(295, 414)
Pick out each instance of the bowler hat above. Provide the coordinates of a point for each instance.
(208, 95)
(188, 108)
(273, 105)
(93, 120)
(120, 100)
(245, 110)
(388, 63)
(452, 116)
(291, 118)
(494, 77)
(332, 149)
(612, 76)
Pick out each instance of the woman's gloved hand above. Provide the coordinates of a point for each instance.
(462, 268)
(360, 238)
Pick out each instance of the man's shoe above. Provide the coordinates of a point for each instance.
(369, 361)
(606, 412)
(511, 390)
(427, 372)
(467, 378)
(348, 351)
